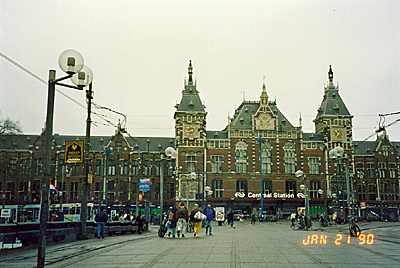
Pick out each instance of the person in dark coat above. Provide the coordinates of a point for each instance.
(230, 218)
(140, 222)
(172, 216)
(101, 219)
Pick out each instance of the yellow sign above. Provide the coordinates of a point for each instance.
(73, 151)
(90, 178)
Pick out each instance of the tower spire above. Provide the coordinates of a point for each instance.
(190, 72)
(330, 74)
(264, 95)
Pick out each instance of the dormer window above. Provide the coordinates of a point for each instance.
(191, 105)
(336, 109)
(241, 121)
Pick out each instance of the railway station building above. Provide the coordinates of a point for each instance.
(224, 167)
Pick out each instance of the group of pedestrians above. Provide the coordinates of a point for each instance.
(101, 219)
(178, 219)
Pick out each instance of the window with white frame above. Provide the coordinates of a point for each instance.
(124, 166)
(191, 162)
(381, 170)
(12, 166)
(99, 165)
(241, 186)
(118, 146)
(267, 183)
(111, 167)
(39, 166)
(392, 170)
(291, 187)
(314, 187)
(313, 165)
(385, 150)
(25, 166)
(370, 170)
(73, 193)
(217, 187)
(216, 163)
(361, 192)
(266, 155)
(241, 157)
(372, 192)
(135, 168)
(289, 157)
(360, 170)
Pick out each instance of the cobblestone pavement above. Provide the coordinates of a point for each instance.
(267, 244)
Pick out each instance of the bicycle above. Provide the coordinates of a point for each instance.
(354, 229)
(299, 224)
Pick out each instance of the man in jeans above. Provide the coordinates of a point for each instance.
(210, 213)
(101, 219)
(182, 216)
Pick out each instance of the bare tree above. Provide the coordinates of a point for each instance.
(7, 126)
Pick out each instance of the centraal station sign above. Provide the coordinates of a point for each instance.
(270, 195)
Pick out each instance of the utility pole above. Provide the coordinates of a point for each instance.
(86, 185)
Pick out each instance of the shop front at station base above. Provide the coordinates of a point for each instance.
(279, 208)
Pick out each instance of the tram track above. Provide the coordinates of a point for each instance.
(68, 254)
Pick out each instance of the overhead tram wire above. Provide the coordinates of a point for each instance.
(59, 91)
(382, 127)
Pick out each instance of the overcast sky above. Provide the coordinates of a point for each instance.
(139, 53)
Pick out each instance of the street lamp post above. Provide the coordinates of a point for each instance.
(300, 174)
(86, 185)
(107, 151)
(71, 62)
(171, 154)
(337, 153)
(260, 142)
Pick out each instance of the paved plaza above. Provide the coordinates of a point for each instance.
(269, 244)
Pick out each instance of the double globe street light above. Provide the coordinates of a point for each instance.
(72, 63)
(300, 174)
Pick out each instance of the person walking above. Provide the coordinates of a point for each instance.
(293, 217)
(210, 213)
(140, 222)
(230, 218)
(253, 218)
(172, 217)
(101, 219)
(197, 222)
(182, 217)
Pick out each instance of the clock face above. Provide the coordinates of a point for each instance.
(338, 134)
(265, 121)
(191, 131)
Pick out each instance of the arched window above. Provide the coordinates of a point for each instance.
(267, 186)
(241, 186)
(241, 157)
(291, 187)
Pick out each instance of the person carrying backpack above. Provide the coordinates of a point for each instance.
(182, 218)
(172, 217)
